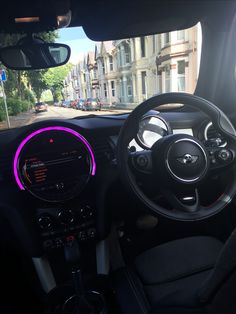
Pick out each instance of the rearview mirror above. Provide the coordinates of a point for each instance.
(33, 56)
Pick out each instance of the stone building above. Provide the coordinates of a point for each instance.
(126, 72)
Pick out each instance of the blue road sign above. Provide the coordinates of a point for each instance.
(3, 76)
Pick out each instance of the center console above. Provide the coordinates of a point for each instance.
(58, 223)
(68, 237)
(76, 298)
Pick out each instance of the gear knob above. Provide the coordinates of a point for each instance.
(72, 252)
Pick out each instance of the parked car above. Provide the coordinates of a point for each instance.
(73, 104)
(80, 104)
(41, 107)
(92, 104)
(66, 103)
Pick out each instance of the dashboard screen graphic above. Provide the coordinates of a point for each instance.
(54, 164)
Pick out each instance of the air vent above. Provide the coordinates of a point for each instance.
(6, 168)
(102, 150)
(211, 133)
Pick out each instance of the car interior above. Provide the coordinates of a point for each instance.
(89, 223)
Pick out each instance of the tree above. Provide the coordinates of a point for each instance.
(54, 78)
(14, 86)
(37, 82)
(35, 77)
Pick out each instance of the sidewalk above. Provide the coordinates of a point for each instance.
(121, 106)
(19, 120)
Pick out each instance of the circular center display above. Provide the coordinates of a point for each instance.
(54, 163)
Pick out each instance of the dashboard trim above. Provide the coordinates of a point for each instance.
(39, 131)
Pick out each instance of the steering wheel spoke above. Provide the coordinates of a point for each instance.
(141, 161)
(186, 200)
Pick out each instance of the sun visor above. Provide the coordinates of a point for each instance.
(119, 20)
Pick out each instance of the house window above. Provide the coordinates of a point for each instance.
(111, 63)
(181, 75)
(103, 67)
(166, 38)
(129, 91)
(143, 48)
(181, 35)
(113, 88)
(153, 43)
(143, 78)
(118, 57)
(167, 79)
(129, 87)
(127, 54)
(95, 74)
(105, 89)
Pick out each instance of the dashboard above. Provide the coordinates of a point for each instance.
(55, 162)
(58, 171)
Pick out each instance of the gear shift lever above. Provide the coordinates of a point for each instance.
(73, 257)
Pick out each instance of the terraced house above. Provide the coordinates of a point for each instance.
(126, 72)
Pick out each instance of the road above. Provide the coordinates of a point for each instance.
(52, 113)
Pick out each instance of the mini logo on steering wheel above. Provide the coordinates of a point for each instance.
(187, 159)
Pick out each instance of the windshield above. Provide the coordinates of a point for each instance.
(109, 77)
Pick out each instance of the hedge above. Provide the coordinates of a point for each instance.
(15, 106)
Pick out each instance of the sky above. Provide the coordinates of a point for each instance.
(78, 42)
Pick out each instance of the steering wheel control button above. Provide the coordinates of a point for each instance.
(86, 212)
(66, 217)
(59, 186)
(142, 161)
(186, 160)
(213, 161)
(45, 222)
(224, 155)
(91, 233)
(48, 244)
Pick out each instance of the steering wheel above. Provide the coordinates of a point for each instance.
(178, 163)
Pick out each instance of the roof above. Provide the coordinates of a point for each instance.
(91, 57)
(103, 47)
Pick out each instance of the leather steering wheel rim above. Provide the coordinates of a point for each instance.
(129, 130)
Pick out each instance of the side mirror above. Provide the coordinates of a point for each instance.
(34, 56)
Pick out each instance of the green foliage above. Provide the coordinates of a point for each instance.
(2, 111)
(12, 39)
(29, 96)
(14, 86)
(17, 87)
(49, 37)
(54, 77)
(15, 107)
(37, 82)
(9, 39)
(10, 85)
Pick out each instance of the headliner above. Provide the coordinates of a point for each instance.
(110, 20)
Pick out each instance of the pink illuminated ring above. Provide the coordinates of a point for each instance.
(51, 128)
